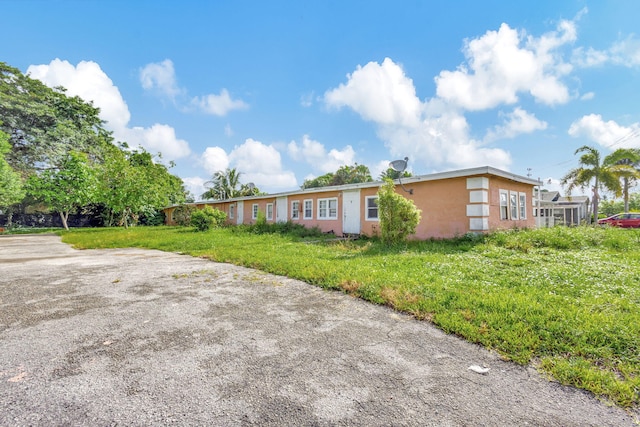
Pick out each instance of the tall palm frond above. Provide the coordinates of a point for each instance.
(594, 173)
(223, 185)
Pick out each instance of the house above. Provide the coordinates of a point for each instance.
(476, 200)
(553, 209)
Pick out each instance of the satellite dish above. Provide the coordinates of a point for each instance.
(251, 186)
(399, 165)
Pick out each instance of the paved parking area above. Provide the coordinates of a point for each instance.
(143, 337)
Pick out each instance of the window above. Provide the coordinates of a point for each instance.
(504, 205)
(372, 208)
(295, 210)
(232, 211)
(522, 205)
(513, 203)
(254, 211)
(269, 211)
(328, 208)
(308, 209)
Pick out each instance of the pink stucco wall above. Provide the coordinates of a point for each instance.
(448, 206)
(326, 225)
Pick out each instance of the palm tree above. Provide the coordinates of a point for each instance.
(605, 174)
(630, 159)
(223, 185)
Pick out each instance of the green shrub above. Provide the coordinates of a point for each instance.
(399, 216)
(153, 218)
(290, 228)
(261, 225)
(207, 218)
(182, 215)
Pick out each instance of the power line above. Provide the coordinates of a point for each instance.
(634, 133)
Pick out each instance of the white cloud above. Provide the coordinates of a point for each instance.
(587, 96)
(215, 159)
(441, 142)
(624, 52)
(218, 105)
(160, 76)
(228, 131)
(590, 57)
(262, 165)
(158, 138)
(257, 162)
(89, 82)
(195, 186)
(607, 134)
(501, 64)
(381, 93)
(431, 134)
(516, 123)
(306, 100)
(315, 154)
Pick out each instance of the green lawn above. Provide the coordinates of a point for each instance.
(565, 300)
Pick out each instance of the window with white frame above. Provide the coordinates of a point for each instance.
(372, 208)
(295, 209)
(513, 203)
(269, 211)
(522, 205)
(308, 209)
(232, 211)
(504, 204)
(328, 208)
(254, 211)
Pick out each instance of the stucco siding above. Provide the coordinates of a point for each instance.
(497, 185)
(443, 205)
(451, 204)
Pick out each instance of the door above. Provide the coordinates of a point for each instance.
(240, 212)
(281, 209)
(351, 212)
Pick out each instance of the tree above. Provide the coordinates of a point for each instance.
(399, 216)
(612, 207)
(351, 175)
(629, 157)
(44, 124)
(344, 175)
(599, 174)
(11, 190)
(67, 188)
(223, 185)
(394, 174)
(131, 184)
(321, 181)
(206, 218)
(249, 190)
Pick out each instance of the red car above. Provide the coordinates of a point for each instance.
(625, 220)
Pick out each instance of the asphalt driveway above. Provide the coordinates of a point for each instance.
(143, 337)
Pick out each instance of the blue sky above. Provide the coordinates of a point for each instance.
(289, 90)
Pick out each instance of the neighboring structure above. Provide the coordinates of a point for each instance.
(453, 203)
(553, 209)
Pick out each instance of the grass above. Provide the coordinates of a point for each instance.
(566, 300)
(29, 230)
